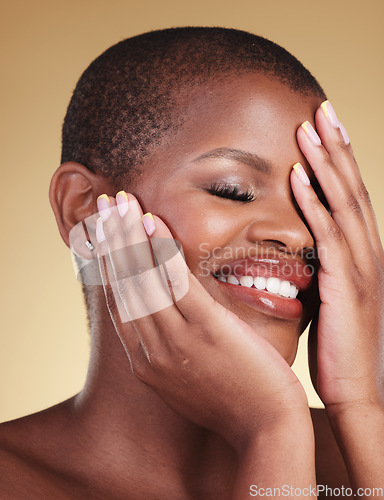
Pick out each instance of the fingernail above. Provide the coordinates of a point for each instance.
(344, 133)
(100, 236)
(301, 174)
(311, 133)
(122, 203)
(330, 114)
(103, 206)
(149, 223)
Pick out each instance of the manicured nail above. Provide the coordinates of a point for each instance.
(344, 133)
(104, 206)
(149, 223)
(301, 174)
(122, 203)
(311, 133)
(100, 236)
(330, 114)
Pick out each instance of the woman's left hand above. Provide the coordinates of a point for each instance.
(350, 323)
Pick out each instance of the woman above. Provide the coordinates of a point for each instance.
(223, 137)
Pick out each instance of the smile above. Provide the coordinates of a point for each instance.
(273, 285)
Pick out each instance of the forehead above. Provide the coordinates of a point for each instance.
(251, 112)
(251, 102)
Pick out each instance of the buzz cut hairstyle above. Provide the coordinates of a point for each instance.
(127, 100)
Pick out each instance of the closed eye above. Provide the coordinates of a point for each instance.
(232, 192)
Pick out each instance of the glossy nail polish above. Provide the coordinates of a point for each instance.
(311, 133)
(330, 114)
(149, 223)
(122, 203)
(104, 206)
(301, 174)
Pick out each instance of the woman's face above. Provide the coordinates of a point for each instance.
(222, 187)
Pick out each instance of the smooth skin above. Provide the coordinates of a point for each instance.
(244, 418)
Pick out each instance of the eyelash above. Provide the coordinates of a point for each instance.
(231, 192)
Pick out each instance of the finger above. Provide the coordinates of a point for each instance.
(312, 350)
(119, 317)
(192, 300)
(127, 242)
(120, 314)
(332, 247)
(135, 281)
(345, 208)
(133, 300)
(336, 141)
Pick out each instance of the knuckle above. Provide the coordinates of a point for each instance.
(334, 232)
(341, 146)
(327, 163)
(368, 283)
(360, 285)
(363, 195)
(157, 360)
(174, 281)
(354, 205)
(140, 368)
(316, 204)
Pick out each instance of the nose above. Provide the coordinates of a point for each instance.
(280, 224)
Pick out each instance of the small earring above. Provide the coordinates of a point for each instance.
(89, 245)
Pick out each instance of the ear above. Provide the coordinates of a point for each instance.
(73, 193)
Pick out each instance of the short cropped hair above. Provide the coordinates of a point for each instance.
(125, 102)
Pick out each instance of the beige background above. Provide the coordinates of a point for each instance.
(45, 45)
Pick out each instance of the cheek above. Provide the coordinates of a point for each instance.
(201, 229)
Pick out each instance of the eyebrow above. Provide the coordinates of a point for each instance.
(245, 157)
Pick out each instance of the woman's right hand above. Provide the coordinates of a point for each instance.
(204, 361)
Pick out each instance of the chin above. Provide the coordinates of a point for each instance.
(284, 338)
(279, 320)
(282, 334)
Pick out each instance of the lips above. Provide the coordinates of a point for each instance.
(274, 297)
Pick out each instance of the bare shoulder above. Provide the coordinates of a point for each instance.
(51, 454)
(330, 467)
(29, 456)
(22, 478)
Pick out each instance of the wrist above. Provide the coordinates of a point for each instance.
(359, 432)
(291, 428)
(281, 453)
(364, 409)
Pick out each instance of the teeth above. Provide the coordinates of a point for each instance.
(285, 289)
(259, 282)
(232, 279)
(273, 285)
(246, 281)
(294, 291)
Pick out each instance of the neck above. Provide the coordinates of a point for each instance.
(127, 418)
